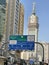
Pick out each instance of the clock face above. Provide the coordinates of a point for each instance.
(32, 20)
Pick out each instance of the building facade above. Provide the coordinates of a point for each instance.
(46, 52)
(21, 20)
(12, 18)
(2, 17)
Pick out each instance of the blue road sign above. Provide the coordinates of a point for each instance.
(31, 61)
(22, 45)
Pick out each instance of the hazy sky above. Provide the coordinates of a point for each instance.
(42, 11)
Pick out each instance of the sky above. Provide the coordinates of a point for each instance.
(42, 11)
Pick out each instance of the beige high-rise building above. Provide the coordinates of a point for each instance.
(12, 18)
(21, 20)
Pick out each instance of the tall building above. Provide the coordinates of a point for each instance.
(33, 27)
(32, 30)
(2, 17)
(12, 18)
(33, 24)
(21, 20)
(21, 23)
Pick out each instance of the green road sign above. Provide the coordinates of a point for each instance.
(18, 37)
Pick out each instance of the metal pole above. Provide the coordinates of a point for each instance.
(42, 48)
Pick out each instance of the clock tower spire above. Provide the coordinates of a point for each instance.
(34, 8)
(33, 24)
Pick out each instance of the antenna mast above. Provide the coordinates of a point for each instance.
(34, 8)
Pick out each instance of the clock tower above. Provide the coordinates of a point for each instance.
(32, 30)
(33, 27)
(33, 24)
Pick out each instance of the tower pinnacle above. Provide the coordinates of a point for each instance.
(34, 8)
